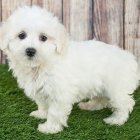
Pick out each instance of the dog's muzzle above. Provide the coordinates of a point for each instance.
(30, 52)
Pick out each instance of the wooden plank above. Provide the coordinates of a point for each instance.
(108, 21)
(77, 17)
(8, 6)
(54, 6)
(132, 26)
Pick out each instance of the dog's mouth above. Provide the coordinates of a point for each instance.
(30, 58)
(30, 61)
(32, 64)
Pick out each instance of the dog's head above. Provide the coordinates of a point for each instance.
(33, 36)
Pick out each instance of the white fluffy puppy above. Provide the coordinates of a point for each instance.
(56, 72)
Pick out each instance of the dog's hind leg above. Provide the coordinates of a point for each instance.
(122, 107)
(96, 103)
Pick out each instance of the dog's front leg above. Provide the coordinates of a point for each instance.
(42, 104)
(57, 116)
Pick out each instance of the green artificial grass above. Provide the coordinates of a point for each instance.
(15, 123)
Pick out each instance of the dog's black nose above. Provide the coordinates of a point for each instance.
(30, 52)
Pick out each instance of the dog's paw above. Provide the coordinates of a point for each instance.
(91, 106)
(114, 121)
(39, 114)
(84, 106)
(49, 129)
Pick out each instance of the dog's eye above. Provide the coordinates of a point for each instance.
(43, 38)
(22, 35)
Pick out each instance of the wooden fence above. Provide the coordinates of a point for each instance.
(112, 21)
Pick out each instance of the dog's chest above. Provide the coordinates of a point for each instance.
(34, 83)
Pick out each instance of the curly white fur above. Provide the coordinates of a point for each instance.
(64, 72)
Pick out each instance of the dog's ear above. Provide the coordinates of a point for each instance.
(62, 39)
(4, 41)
